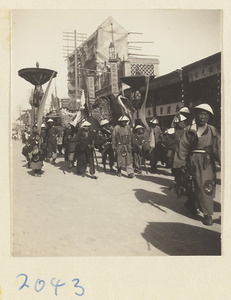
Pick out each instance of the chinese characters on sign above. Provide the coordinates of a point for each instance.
(91, 87)
(168, 109)
(114, 79)
(205, 71)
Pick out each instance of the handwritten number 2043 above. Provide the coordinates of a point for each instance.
(40, 284)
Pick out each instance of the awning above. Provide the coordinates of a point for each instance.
(135, 82)
(36, 76)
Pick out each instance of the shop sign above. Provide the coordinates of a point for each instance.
(168, 109)
(114, 79)
(65, 102)
(91, 87)
(204, 71)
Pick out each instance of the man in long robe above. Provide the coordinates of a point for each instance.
(171, 138)
(104, 137)
(84, 150)
(121, 144)
(51, 140)
(199, 148)
(155, 136)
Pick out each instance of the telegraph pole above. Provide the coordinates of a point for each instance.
(73, 37)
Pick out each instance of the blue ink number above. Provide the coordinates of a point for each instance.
(24, 284)
(56, 285)
(78, 286)
(39, 282)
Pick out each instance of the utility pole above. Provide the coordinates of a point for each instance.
(68, 49)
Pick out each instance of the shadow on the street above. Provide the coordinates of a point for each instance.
(155, 179)
(182, 239)
(63, 166)
(169, 200)
(217, 206)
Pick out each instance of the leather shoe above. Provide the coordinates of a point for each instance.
(208, 220)
(131, 175)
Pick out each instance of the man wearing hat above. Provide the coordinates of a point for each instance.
(172, 137)
(198, 149)
(104, 137)
(51, 140)
(84, 150)
(121, 144)
(33, 133)
(140, 146)
(155, 136)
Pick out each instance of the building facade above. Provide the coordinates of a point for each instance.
(95, 69)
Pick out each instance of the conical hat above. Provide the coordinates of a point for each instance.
(85, 124)
(205, 106)
(123, 118)
(154, 121)
(184, 110)
(104, 122)
(179, 118)
(139, 126)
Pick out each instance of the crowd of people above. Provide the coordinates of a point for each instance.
(189, 151)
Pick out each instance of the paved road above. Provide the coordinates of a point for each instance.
(62, 214)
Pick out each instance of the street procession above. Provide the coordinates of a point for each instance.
(125, 132)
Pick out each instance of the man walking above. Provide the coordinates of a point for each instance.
(121, 144)
(199, 148)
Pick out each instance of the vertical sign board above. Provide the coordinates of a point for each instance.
(91, 88)
(114, 79)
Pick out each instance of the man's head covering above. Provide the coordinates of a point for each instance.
(206, 107)
(85, 124)
(104, 122)
(154, 121)
(179, 118)
(50, 121)
(43, 126)
(184, 110)
(139, 127)
(123, 118)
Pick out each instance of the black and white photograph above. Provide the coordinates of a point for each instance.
(116, 127)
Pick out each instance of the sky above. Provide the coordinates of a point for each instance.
(179, 37)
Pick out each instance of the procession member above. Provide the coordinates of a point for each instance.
(36, 156)
(72, 142)
(121, 144)
(43, 132)
(104, 138)
(85, 150)
(51, 141)
(155, 137)
(67, 135)
(25, 151)
(198, 149)
(60, 143)
(140, 145)
(33, 133)
(171, 138)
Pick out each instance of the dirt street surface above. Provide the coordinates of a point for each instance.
(63, 214)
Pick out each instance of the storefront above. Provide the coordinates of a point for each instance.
(165, 97)
(202, 81)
